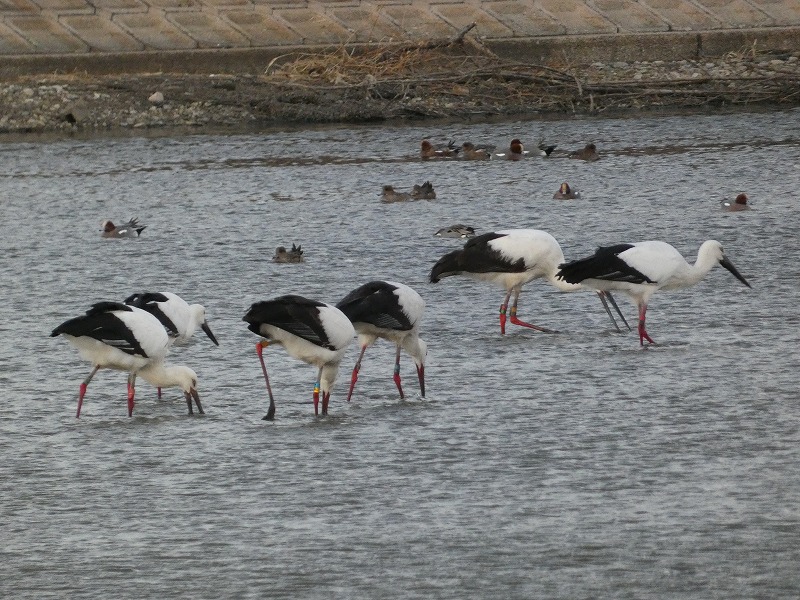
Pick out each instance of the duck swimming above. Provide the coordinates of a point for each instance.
(423, 192)
(282, 255)
(456, 231)
(588, 153)
(131, 229)
(545, 150)
(418, 192)
(470, 151)
(390, 195)
(740, 203)
(566, 193)
(428, 150)
(515, 151)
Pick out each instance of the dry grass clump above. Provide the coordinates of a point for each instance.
(353, 67)
(430, 73)
(463, 67)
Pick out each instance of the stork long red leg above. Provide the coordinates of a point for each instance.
(517, 321)
(356, 369)
(397, 373)
(131, 392)
(316, 394)
(83, 387)
(642, 331)
(503, 309)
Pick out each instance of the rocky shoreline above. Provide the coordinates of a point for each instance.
(390, 85)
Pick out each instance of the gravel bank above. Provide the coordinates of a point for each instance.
(409, 84)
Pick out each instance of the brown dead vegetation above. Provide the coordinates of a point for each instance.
(431, 80)
(455, 79)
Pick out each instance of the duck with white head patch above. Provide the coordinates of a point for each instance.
(131, 229)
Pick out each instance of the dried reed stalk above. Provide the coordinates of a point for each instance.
(425, 70)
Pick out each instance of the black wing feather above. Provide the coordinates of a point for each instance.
(377, 304)
(140, 299)
(477, 256)
(101, 324)
(294, 314)
(604, 264)
(149, 301)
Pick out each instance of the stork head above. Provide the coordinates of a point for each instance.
(712, 250)
(328, 376)
(199, 316)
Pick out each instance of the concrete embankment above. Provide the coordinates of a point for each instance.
(241, 36)
(68, 65)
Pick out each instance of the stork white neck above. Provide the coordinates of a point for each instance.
(160, 375)
(417, 348)
(327, 377)
(708, 256)
(198, 313)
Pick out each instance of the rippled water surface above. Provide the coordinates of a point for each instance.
(570, 466)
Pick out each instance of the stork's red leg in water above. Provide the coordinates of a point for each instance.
(392, 311)
(117, 336)
(640, 269)
(311, 331)
(510, 259)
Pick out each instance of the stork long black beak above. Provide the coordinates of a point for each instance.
(607, 295)
(260, 345)
(729, 265)
(192, 395)
(196, 397)
(207, 329)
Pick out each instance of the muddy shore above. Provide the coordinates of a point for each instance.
(411, 83)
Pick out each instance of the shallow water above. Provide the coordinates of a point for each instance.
(566, 466)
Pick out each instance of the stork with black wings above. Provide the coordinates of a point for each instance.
(113, 335)
(392, 311)
(311, 331)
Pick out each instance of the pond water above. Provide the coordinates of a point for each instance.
(574, 465)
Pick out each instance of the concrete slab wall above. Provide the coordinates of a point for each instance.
(237, 35)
